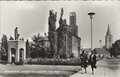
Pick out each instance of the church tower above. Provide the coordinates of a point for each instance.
(72, 18)
(108, 39)
(73, 28)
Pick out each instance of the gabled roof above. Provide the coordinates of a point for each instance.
(101, 51)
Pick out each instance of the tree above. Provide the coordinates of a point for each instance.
(4, 47)
(38, 40)
(115, 50)
(37, 47)
(27, 49)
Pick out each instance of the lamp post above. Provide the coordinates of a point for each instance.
(91, 16)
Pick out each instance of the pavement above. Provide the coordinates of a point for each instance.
(105, 68)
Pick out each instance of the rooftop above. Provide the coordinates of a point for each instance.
(101, 51)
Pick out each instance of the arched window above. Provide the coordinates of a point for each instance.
(21, 52)
(13, 50)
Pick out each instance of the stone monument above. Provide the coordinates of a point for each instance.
(16, 33)
(16, 49)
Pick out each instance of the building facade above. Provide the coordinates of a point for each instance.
(67, 39)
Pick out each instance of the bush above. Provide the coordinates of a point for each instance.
(19, 63)
(3, 62)
(47, 61)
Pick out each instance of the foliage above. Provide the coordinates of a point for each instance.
(4, 47)
(3, 62)
(46, 61)
(37, 47)
(38, 40)
(115, 50)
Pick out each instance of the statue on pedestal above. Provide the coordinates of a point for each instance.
(16, 33)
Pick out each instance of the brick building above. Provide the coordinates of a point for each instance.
(72, 40)
(68, 41)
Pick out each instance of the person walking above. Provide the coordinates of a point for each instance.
(92, 61)
(84, 60)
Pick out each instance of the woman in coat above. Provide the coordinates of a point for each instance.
(92, 61)
(84, 60)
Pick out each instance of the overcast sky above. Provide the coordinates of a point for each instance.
(31, 17)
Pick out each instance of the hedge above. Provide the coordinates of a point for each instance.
(46, 61)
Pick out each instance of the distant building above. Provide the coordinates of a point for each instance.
(101, 52)
(108, 39)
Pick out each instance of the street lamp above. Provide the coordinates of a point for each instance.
(91, 16)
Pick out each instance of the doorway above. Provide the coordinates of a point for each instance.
(13, 52)
(21, 54)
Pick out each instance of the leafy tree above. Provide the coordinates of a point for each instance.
(115, 50)
(37, 47)
(4, 47)
(111, 52)
(38, 40)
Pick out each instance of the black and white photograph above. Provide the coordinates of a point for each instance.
(68, 38)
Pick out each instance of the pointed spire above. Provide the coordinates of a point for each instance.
(108, 31)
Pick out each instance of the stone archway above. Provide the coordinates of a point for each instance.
(21, 57)
(17, 48)
(13, 55)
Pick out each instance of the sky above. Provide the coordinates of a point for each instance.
(31, 17)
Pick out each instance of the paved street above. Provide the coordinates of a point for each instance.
(105, 68)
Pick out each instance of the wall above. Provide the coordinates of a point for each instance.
(75, 46)
(69, 44)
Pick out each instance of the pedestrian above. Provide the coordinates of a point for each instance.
(84, 60)
(92, 61)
